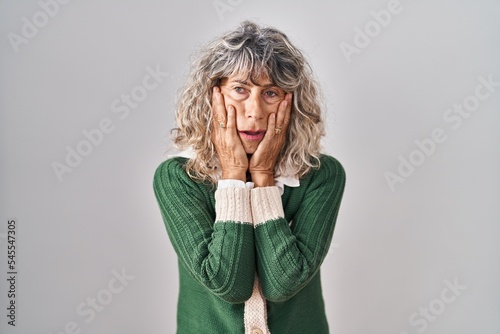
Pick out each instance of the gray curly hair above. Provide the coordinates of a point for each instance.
(253, 50)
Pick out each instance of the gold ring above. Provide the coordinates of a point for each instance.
(277, 130)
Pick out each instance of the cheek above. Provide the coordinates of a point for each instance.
(240, 108)
(229, 101)
(240, 116)
(273, 108)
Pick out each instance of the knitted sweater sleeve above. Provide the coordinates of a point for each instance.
(288, 256)
(215, 247)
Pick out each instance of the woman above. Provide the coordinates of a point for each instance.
(251, 204)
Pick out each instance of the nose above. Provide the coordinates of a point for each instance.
(253, 107)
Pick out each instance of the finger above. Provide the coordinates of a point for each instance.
(287, 111)
(284, 110)
(219, 111)
(231, 119)
(271, 126)
(280, 117)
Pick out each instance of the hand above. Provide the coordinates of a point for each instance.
(232, 156)
(262, 162)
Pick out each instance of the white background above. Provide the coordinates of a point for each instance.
(393, 249)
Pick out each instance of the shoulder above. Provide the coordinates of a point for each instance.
(329, 162)
(328, 177)
(330, 168)
(169, 171)
(170, 165)
(171, 177)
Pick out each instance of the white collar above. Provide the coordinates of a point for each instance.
(287, 179)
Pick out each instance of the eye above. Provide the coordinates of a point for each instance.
(271, 93)
(239, 89)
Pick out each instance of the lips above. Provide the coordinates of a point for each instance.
(252, 135)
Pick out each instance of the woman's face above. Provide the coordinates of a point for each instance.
(254, 102)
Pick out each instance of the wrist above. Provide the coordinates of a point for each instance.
(263, 179)
(234, 175)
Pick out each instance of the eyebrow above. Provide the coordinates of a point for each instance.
(245, 82)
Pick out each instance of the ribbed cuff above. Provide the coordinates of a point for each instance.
(233, 204)
(266, 204)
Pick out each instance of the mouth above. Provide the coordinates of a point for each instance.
(252, 135)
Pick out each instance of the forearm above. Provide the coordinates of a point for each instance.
(283, 263)
(289, 254)
(215, 246)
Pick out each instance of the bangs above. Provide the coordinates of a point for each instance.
(246, 64)
(243, 63)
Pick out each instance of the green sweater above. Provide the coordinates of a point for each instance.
(224, 238)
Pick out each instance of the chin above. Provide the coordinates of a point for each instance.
(249, 149)
(250, 146)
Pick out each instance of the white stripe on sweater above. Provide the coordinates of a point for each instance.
(255, 310)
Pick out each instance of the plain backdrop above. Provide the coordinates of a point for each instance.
(388, 85)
